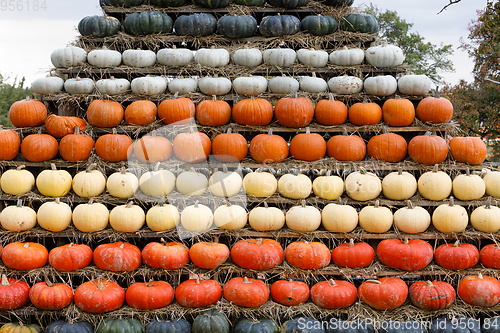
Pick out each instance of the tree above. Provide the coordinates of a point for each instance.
(451, 2)
(425, 57)
(10, 93)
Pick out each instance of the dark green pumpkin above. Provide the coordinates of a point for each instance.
(250, 2)
(121, 3)
(245, 325)
(279, 25)
(289, 4)
(168, 326)
(111, 325)
(360, 23)
(319, 25)
(340, 326)
(392, 326)
(212, 3)
(169, 3)
(303, 325)
(62, 326)
(197, 25)
(237, 26)
(211, 321)
(455, 325)
(338, 3)
(490, 325)
(147, 23)
(99, 26)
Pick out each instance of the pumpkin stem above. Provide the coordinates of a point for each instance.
(196, 204)
(129, 204)
(341, 202)
(294, 95)
(259, 241)
(385, 130)
(58, 201)
(406, 241)
(437, 92)
(19, 203)
(266, 205)
(362, 170)
(114, 131)
(365, 99)
(245, 280)
(197, 279)
(229, 131)
(270, 132)
(374, 281)
(76, 130)
(53, 167)
(26, 245)
(39, 132)
(308, 130)
(303, 203)
(163, 242)
(252, 98)
(91, 167)
(480, 276)
(351, 242)
(313, 74)
(224, 168)
(429, 284)
(228, 204)
(377, 203)
(457, 243)
(122, 245)
(328, 173)
(214, 98)
(157, 167)
(452, 201)
(176, 95)
(191, 130)
(5, 280)
(150, 283)
(91, 201)
(162, 201)
(409, 204)
(28, 98)
(48, 282)
(488, 203)
(122, 170)
(20, 167)
(400, 171)
(332, 283)
(467, 171)
(330, 97)
(345, 132)
(435, 168)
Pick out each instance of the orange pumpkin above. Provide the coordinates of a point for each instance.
(39, 147)
(229, 147)
(435, 110)
(9, 144)
(213, 112)
(308, 146)
(346, 147)
(76, 147)
(253, 112)
(245, 292)
(59, 126)
(140, 113)
(330, 112)
(398, 112)
(268, 148)
(177, 111)
(113, 147)
(104, 113)
(365, 113)
(27, 113)
(192, 147)
(294, 111)
(388, 147)
(307, 255)
(428, 149)
(470, 150)
(152, 149)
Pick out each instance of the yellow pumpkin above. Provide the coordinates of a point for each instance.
(90, 217)
(20, 328)
(362, 185)
(468, 187)
(339, 217)
(191, 183)
(328, 187)
(197, 217)
(162, 217)
(435, 185)
(375, 219)
(295, 186)
(303, 218)
(89, 183)
(18, 217)
(127, 218)
(54, 216)
(485, 218)
(266, 218)
(17, 181)
(53, 182)
(260, 184)
(450, 218)
(230, 217)
(225, 183)
(158, 182)
(400, 185)
(491, 180)
(411, 219)
(122, 184)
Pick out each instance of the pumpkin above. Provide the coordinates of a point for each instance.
(399, 185)
(395, 253)
(27, 113)
(212, 4)
(18, 217)
(99, 26)
(175, 325)
(114, 147)
(49, 85)
(353, 255)
(456, 256)
(347, 57)
(24, 256)
(288, 4)
(307, 255)
(489, 256)
(260, 184)
(149, 295)
(333, 294)
(364, 23)
(197, 218)
(253, 112)
(492, 182)
(435, 185)
(313, 58)
(385, 55)
(121, 3)
(211, 321)
(230, 217)
(308, 146)
(339, 217)
(214, 85)
(330, 112)
(383, 294)
(428, 149)
(468, 187)
(213, 112)
(91, 216)
(398, 112)
(266, 218)
(127, 218)
(208, 255)
(303, 218)
(212, 57)
(283, 85)
(89, 183)
(147, 23)
(363, 186)
(112, 325)
(191, 183)
(471, 150)
(294, 112)
(381, 85)
(70, 257)
(247, 57)
(104, 58)
(345, 85)
(54, 215)
(20, 328)
(176, 111)
(449, 218)
(59, 127)
(303, 325)
(279, 25)
(259, 254)
(435, 110)
(53, 182)
(153, 148)
(484, 218)
(9, 144)
(76, 147)
(246, 292)
(196, 25)
(224, 183)
(411, 219)
(39, 147)
(112, 86)
(245, 325)
(63, 326)
(13, 293)
(168, 3)
(365, 113)
(79, 86)
(139, 58)
(355, 326)
(196, 293)
(479, 290)
(289, 292)
(149, 85)
(182, 86)
(328, 187)
(387, 147)
(17, 181)
(51, 296)
(268, 148)
(250, 85)
(174, 57)
(432, 296)
(117, 257)
(416, 85)
(192, 147)
(295, 186)
(237, 26)
(165, 255)
(67, 57)
(443, 324)
(375, 218)
(229, 147)
(319, 25)
(104, 113)
(346, 147)
(162, 217)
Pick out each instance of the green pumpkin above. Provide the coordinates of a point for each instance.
(169, 3)
(360, 23)
(338, 3)
(289, 4)
(20, 328)
(62, 326)
(279, 25)
(196, 25)
(147, 23)
(169, 326)
(99, 26)
(302, 325)
(211, 321)
(128, 325)
(237, 26)
(121, 3)
(212, 3)
(250, 2)
(319, 25)
(256, 326)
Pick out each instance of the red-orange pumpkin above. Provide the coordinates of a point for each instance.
(9, 144)
(104, 113)
(308, 146)
(76, 147)
(39, 147)
(208, 255)
(353, 255)
(70, 257)
(294, 111)
(114, 147)
(249, 293)
(213, 112)
(99, 296)
(140, 113)
(150, 295)
(330, 112)
(59, 126)
(27, 113)
(24, 256)
(398, 112)
(152, 149)
(268, 148)
(334, 294)
(365, 113)
(13, 293)
(192, 147)
(195, 293)
(432, 296)
(253, 112)
(307, 255)
(346, 147)
(383, 294)
(388, 147)
(470, 150)
(456, 256)
(435, 109)
(479, 290)
(166, 255)
(176, 111)
(289, 292)
(396, 253)
(51, 296)
(257, 254)
(229, 147)
(490, 256)
(428, 149)
(117, 257)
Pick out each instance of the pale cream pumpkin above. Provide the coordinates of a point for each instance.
(295, 186)
(412, 219)
(89, 183)
(157, 182)
(484, 218)
(53, 183)
(225, 183)
(468, 187)
(266, 218)
(127, 218)
(260, 184)
(491, 180)
(17, 181)
(303, 218)
(434, 185)
(362, 185)
(230, 217)
(197, 217)
(450, 218)
(328, 187)
(162, 217)
(18, 217)
(90, 217)
(122, 184)
(400, 185)
(54, 215)
(191, 183)
(339, 217)
(375, 219)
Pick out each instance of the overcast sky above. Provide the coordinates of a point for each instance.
(28, 38)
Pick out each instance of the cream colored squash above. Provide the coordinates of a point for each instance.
(212, 57)
(54, 215)
(382, 85)
(149, 85)
(157, 182)
(400, 185)
(79, 86)
(295, 186)
(417, 85)
(312, 57)
(468, 187)
(484, 218)
(362, 185)
(214, 85)
(328, 187)
(260, 184)
(89, 183)
(197, 217)
(17, 181)
(385, 55)
(312, 84)
(127, 218)
(347, 57)
(67, 57)
(104, 58)
(90, 217)
(191, 183)
(112, 86)
(47, 85)
(53, 183)
(266, 218)
(283, 85)
(450, 218)
(247, 57)
(491, 180)
(339, 217)
(225, 183)
(139, 58)
(18, 217)
(122, 184)
(435, 185)
(175, 57)
(182, 86)
(162, 217)
(412, 219)
(303, 218)
(279, 57)
(230, 217)
(345, 85)
(250, 85)
(375, 219)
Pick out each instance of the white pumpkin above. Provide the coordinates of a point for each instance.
(18, 217)
(212, 57)
(122, 184)
(328, 187)
(339, 217)
(162, 217)
(250, 85)
(412, 219)
(174, 57)
(434, 185)
(230, 217)
(347, 57)
(191, 183)
(214, 85)
(416, 85)
(260, 184)
(67, 57)
(375, 219)
(279, 57)
(112, 86)
(104, 58)
(450, 218)
(312, 84)
(47, 85)
(127, 218)
(492, 182)
(312, 58)
(382, 85)
(283, 85)
(89, 183)
(54, 216)
(384, 55)
(266, 218)
(79, 86)
(295, 186)
(468, 187)
(484, 218)
(53, 182)
(149, 85)
(17, 181)
(303, 218)
(182, 86)
(225, 183)
(157, 182)
(90, 217)
(399, 185)
(197, 218)
(345, 85)
(139, 58)
(247, 57)
(363, 186)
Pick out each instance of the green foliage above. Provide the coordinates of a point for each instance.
(425, 57)
(10, 93)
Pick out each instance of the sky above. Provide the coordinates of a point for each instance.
(28, 37)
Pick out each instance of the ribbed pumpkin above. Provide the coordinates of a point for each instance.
(245, 325)
(359, 23)
(114, 147)
(307, 255)
(195, 293)
(294, 111)
(27, 113)
(246, 292)
(435, 110)
(39, 147)
(51, 296)
(383, 294)
(165, 255)
(279, 25)
(330, 112)
(260, 184)
(253, 112)
(208, 255)
(59, 126)
(89, 183)
(147, 23)
(175, 325)
(394, 253)
(157, 182)
(387, 147)
(149, 295)
(490, 256)
(91, 216)
(212, 112)
(432, 296)
(54, 216)
(353, 255)
(177, 111)
(362, 186)
(339, 217)
(334, 294)
(329, 187)
(211, 321)
(435, 185)
(70, 257)
(24, 256)
(129, 325)
(104, 113)
(456, 256)
(99, 26)
(450, 218)
(346, 147)
(479, 290)
(18, 217)
(398, 112)
(471, 150)
(140, 113)
(162, 217)
(192, 147)
(99, 296)
(428, 149)
(365, 113)
(127, 218)
(76, 147)
(376, 219)
(229, 147)
(399, 185)
(14, 293)
(152, 149)
(259, 254)
(485, 218)
(268, 148)
(63, 326)
(17, 181)
(117, 257)
(53, 182)
(289, 292)
(412, 219)
(122, 184)
(9, 144)
(266, 218)
(308, 146)
(468, 187)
